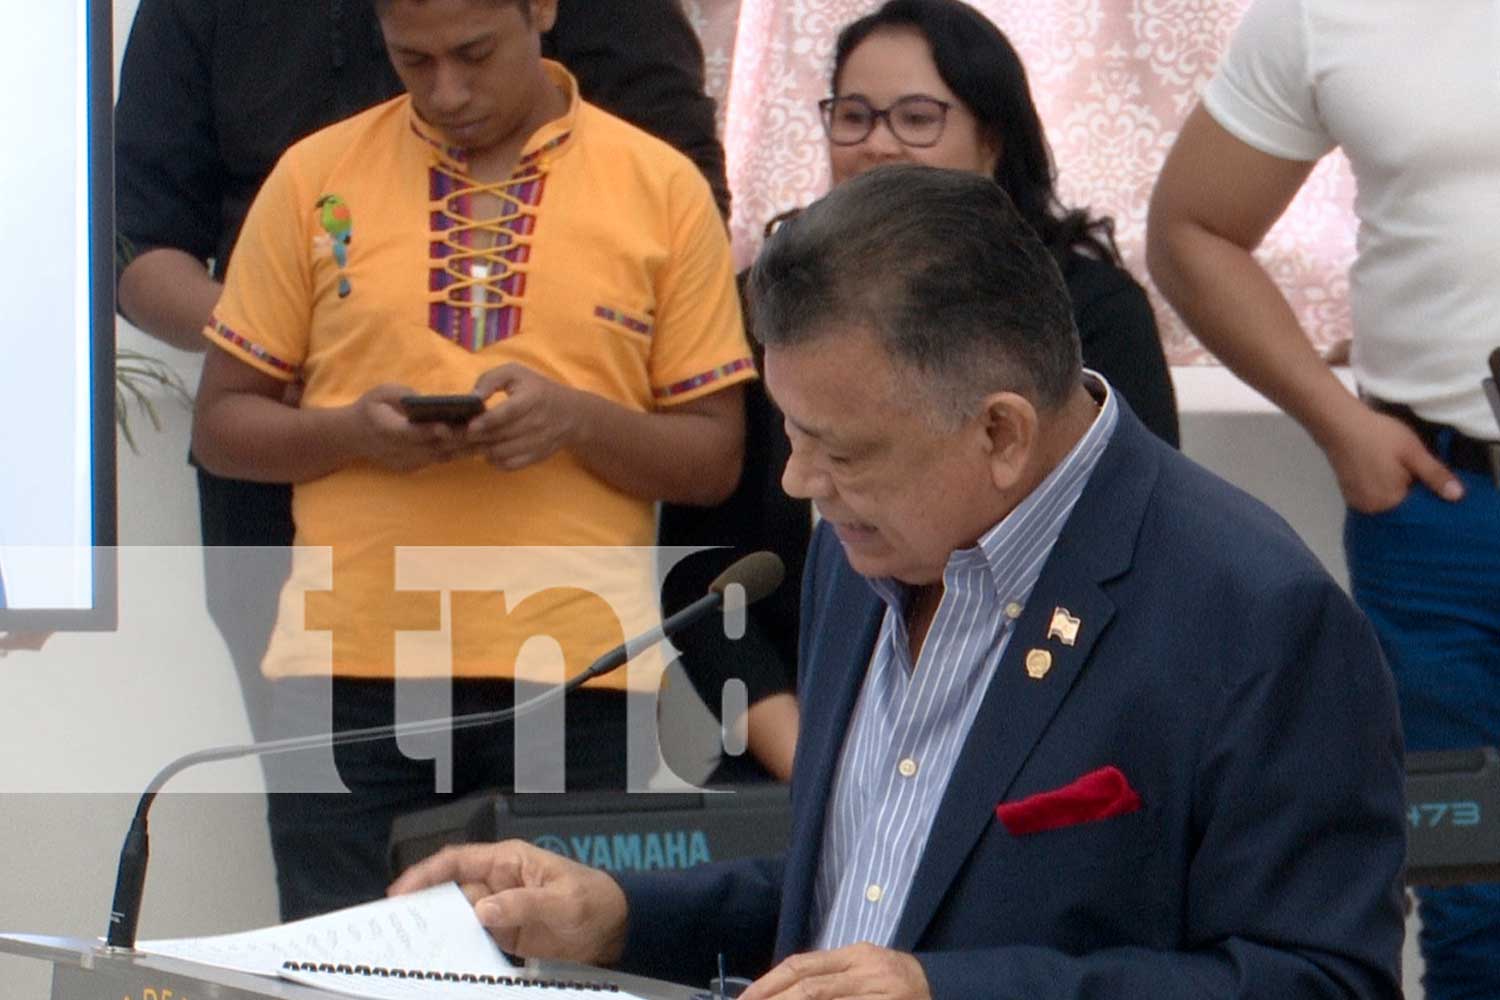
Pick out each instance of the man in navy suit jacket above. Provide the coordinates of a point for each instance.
(1080, 719)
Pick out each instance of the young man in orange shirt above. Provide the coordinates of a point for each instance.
(489, 233)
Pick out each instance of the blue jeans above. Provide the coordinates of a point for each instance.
(1428, 575)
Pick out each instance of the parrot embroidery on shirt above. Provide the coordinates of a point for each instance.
(338, 222)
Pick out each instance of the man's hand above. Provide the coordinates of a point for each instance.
(860, 970)
(244, 427)
(383, 435)
(535, 903)
(538, 417)
(1377, 458)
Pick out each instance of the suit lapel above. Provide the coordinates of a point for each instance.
(840, 656)
(1097, 544)
(1011, 719)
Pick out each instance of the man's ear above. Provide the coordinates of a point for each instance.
(543, 14)
(1011, 429)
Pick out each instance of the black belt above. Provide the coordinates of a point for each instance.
(1454, 447)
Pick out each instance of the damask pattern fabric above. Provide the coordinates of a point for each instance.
(1113, 80)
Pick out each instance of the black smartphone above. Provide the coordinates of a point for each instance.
(442, 409)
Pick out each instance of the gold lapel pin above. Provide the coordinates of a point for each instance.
(1038, 662)
(1064, 627)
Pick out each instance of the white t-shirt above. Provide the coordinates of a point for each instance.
(1410, 89)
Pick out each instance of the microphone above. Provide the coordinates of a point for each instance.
(744, 582)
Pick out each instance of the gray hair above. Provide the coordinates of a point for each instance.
(941, 268)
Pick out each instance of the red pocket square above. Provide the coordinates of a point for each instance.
(1097, 795)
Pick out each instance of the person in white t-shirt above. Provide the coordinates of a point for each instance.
(1408, 90)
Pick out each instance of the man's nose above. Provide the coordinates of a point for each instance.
(450, 89)
(803, 482)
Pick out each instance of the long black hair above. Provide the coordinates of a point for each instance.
(981, 67)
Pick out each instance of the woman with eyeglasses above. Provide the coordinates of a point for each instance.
(935, 82)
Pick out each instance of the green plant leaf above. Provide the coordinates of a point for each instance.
(137, 377)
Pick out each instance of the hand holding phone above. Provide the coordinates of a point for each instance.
(453, 410)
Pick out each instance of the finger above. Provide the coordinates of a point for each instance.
(518, 908)
(509, 417)
(389, 419)
(494, 865)
(463, 449)
(447, 439)
(538, 922)
(434, 435)
(494, 424)
(1437, 477)
(474, 891)
(513, 456)
(390, 392)
(794, 970)
(831, 987)
(501, 379)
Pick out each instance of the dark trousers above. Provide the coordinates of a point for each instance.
(1427, 572)
(247, 537)
(331, 845)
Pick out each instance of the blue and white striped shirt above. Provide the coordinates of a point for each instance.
(912, 720)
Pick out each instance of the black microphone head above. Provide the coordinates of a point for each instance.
(1495, 363)
(759, 573)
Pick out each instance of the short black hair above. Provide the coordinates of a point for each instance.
(941, 268)
(382, 5)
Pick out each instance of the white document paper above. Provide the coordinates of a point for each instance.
(432, 929)
(394, 943)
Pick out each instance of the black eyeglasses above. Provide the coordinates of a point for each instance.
(914, 120)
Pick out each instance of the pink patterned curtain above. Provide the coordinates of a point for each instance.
(1113, 80)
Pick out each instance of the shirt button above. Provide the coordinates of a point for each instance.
(1013, 611)
(907, 767)
(872, 893)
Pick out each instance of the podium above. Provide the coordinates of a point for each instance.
(87, 970)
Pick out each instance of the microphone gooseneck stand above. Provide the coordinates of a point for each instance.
(756, 575)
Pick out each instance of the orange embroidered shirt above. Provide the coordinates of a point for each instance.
(364, 260)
